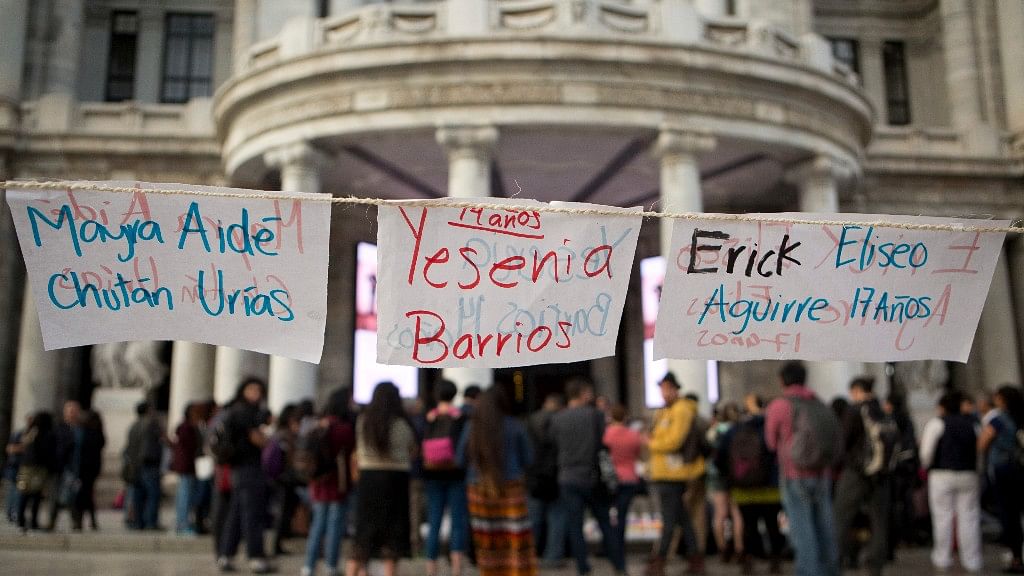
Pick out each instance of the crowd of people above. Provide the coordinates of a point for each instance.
(834, 486)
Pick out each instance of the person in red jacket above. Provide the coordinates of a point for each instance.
(186, 447)
(329, 490)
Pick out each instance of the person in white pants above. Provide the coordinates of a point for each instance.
(949, 451)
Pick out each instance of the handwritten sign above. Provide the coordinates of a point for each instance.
(766, 290)
(498, 288)
(112, 266)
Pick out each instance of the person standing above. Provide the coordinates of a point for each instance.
(803, 432)
(279, 468)
(142, 457)
(444, 479)
(385, 446)
(670, 474)
(869, 438)
(186, 447)
(496, 452)
(38, 447)
(750, 471)
(625, 446)
(243, 425)
(725, 510)
(69, 435)
(330, 487)
(14, 451)
(578, 433)
(547, 518)
(949, 451)
(998, 441)
(93, 442)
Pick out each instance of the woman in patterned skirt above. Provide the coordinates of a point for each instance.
(496, 450)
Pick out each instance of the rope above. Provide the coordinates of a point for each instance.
(1015, 227)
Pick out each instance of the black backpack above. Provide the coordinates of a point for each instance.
(881, 436)
(312, 458)
(221, 442)
(696, 444)
(749, 458)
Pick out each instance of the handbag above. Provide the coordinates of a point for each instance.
(31, 479)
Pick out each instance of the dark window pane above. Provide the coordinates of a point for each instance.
(188, 57)
(121, 58)
(846, 50)
(897, 88)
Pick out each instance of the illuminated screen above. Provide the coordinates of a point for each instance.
(366, 371)
(652, 276)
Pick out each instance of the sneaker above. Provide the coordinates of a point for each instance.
(224, 564)
(260, 566)
(306, 571)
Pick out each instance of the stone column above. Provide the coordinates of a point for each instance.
(960, 52)
(1010, 14)
(470, 149)
(38, 373)
(191, 378)
(818, 183)
(65, 47)
(294, 380)
(677, 150)
(12, 290)
(710, 8)
(243, 33)
(13, 29)
(233, 364)
(1000, 352)
(1015, 257)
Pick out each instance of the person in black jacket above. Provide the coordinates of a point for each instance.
(93, 441)
(244, 422)
(38, 447)
(142, 458)
(864, 483)
(69, 436)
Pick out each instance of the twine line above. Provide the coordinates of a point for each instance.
(1014, 228)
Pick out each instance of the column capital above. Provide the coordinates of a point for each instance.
(677, 141)
(297, 153)
(820, 167)
(467, 139)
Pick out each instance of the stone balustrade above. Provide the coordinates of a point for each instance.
(653, 22)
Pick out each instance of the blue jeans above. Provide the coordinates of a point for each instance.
(450, 494)
(623, 499)
(576, 500)
(146, 498)
(808, 504)
(329, 519)
(184, 502)
(547, 518)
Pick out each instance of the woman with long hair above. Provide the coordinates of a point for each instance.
(385, 445)
(496, 450)
(998, 441)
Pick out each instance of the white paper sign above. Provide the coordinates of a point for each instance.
(112, 266)
(748, 291)
(498, 288)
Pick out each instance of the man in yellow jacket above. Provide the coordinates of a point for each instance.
(671, 469)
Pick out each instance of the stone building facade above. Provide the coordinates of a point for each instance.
(905, 107)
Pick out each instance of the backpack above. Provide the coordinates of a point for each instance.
(439, 440)
(312, 458)
(749, 459)
(880, 438)
(815, 434)
(222, 442)
(696, 444)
